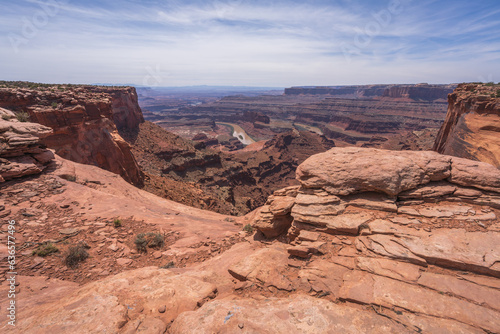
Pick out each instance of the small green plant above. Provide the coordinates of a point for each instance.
(54, 105)
(168, 265)
(71, 178)
(248, 228)
(141, 243)
(75, 255)
(117, 223)
(156, 240)
(489, 84)
(151, 240)
(22, 116)
(45, 249)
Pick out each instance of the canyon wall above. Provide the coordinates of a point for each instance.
(416, 92)
(85, 120)
(472, 125)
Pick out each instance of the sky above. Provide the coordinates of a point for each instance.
(272, 43)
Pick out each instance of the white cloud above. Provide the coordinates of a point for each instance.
(251, 43)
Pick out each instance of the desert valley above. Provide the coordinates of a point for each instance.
(253, 167)
(353, 209)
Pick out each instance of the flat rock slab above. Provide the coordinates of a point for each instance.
(459, 249)
(119, 303)
(308, 236)
(462, 288)
(266, 265)
(68, 231)
(347, 223)
(299, 314)
(394, 269)
(372, 289)
(452, 248)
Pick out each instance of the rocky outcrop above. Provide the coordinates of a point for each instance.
(389, 181)
(86, 121)
(412, 235)
(472, 125)
(21, 151)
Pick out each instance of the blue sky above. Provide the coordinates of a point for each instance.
(254, 43)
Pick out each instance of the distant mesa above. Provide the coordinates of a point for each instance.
(424, 92)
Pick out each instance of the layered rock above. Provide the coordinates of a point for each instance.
(416, 92)
(86, 121)
(472, 125)
(382, 180)
(21, 150)
(411, 235)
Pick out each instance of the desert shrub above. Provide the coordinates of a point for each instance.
(45, 249)
(248, 228)
(168, 265)
(22, 116)
(117, 223)
(151, 240)
(75, 255)
(54, 105)
(69, 177)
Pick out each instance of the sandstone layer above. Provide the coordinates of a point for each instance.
(85, 120)
(21, 150)
(472, 125)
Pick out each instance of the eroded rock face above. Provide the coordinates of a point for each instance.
(21, 151)
(389, 181)
(86, 121)
(345, 171)
(472, 126)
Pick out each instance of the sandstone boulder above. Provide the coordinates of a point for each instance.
(21, 151)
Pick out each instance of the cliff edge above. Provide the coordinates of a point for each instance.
(85, 120)
(472, 126)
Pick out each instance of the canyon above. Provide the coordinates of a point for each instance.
(383, 116)
(346, 235)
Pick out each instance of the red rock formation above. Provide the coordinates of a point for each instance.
(406, 244)
(21, 151)
(419, 92)
(472, 126)
(85, 122)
